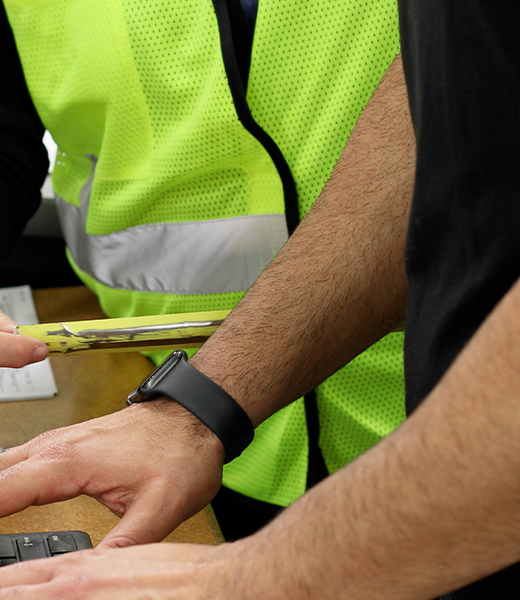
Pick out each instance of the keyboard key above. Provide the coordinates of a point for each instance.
(6, 548)
(7, 561)
(16, 547)
(31, 546)
(61, 543)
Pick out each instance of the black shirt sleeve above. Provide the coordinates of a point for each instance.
(462, 66)
(23, 158)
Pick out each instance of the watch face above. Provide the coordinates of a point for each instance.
(162, 370)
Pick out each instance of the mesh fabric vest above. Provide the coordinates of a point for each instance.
(174, 183)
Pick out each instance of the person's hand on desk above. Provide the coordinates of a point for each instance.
(153, 464)
(159, 571)
(18, 350)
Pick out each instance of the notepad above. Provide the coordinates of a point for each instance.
(34, 381)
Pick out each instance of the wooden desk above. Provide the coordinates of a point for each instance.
(78, 399)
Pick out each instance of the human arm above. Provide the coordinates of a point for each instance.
(432, 507)
(174, 467)
(339, 283)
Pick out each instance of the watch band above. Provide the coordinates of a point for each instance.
(178, 380)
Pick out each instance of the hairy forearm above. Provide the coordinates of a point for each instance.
(431, 508)
(338, 285)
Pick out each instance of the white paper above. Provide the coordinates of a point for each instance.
(33, 381)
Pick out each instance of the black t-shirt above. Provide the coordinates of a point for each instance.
(462, 64)
(23, 157)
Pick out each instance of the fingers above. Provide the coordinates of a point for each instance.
(40, 579)
(180, 571)
(7, 325)
(31, 592)
(18, 350)
(34, 482)
(28, 475)
(28, 573)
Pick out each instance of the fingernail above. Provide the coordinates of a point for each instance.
(40, 352)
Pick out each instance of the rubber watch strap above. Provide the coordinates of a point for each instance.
(179, 381)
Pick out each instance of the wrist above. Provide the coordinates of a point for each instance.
(182, 383)
(240, 388)
(168, 417)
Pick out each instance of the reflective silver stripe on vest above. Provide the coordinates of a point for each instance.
(196, 257)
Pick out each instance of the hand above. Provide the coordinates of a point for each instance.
(159, 571)
(18, 350)
(153, 464)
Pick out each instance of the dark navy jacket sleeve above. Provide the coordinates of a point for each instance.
(23, 158)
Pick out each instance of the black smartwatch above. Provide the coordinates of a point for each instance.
(181, 382)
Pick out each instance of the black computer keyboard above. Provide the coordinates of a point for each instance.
(16, 547)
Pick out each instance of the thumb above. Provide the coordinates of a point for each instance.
(149, 518)
(20, 350)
